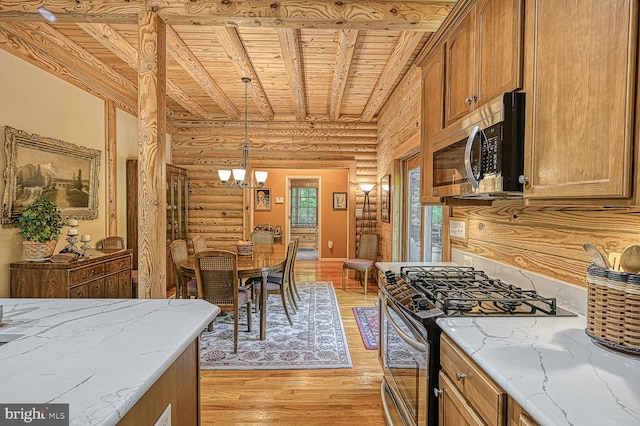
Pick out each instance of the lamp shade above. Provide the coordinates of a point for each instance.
(366, 187)
(238, 174)
(224, 175)
(261, 177)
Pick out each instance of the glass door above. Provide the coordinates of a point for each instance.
(422, 225)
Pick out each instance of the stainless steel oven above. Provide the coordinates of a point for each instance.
(409, 349)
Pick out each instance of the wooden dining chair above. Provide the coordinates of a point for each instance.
(262, 237)
(281, 283)
(218, 283)
(365, 258)
(179, 253)
(113, 242)
(199, 243)
(276, 277)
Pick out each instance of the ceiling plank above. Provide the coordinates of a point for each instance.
(109, 38)
(402, 53)
(346, 46)
(290, 46)
(417, 15)
(185, 57)
(109, 84)
(231, 43)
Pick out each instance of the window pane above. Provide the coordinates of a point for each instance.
(304, 207)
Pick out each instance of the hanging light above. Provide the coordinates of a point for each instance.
(240, 173)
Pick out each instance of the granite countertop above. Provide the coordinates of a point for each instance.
(552, 368)
(98, 355)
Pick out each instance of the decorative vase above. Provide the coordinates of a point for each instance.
(37, 252)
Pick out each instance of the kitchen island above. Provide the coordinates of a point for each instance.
(112, 360)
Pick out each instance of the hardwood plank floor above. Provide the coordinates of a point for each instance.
(303, 397)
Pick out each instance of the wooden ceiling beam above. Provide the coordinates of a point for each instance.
(231, 43)
(290, 46)
(185, 57)
(112, 40)
(417, 15)
(344, 54)
(398, 60)
(45, 49)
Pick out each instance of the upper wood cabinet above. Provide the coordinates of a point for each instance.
(483, 53)
(432, 97)
(580, 79)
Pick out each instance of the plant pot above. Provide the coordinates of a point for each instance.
(38, 252)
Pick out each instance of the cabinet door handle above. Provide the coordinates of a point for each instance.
(523, 179)
(467, 100)
(437, 392)
(460, 376)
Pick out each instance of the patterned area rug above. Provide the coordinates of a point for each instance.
(316, 340)
(367, 319)
(307, 254)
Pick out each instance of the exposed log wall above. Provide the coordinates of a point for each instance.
(202, 147)
(399, 122)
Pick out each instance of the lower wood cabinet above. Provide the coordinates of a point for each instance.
(106, 274)
(518, 416)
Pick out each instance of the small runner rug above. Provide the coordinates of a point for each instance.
(367, 319)
(315, 341)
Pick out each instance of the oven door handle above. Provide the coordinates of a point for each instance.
(467, 158)
(412, 341)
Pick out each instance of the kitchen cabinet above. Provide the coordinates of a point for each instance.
(581, 61)
(517, 416)
(483, 56)
(432, 109)
(106, 274)
(176, 210)
(468, 396)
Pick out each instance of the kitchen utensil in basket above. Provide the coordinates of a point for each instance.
(596, 256)
(630, 259)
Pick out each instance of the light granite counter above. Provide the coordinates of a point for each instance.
(98, 355)
(553, 369)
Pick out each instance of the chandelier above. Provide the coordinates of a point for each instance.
(240, 173)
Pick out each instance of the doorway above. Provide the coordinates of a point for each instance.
(304, 217)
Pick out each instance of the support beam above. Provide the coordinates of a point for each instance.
(290, 46)
(399, 59)
(111, 168)
(346, 46)
(152, 169)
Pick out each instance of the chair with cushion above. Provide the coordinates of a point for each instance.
(199, 244)
(179, 253)
(218, 283)
(111, 243)
(280, 283)
(365, 258)
(262, 237)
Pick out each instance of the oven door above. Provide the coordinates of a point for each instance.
(404, 353)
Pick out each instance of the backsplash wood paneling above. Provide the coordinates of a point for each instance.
(546, 240)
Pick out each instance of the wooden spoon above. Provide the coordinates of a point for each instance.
(596, 256)
(630, 259)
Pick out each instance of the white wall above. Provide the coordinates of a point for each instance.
(37, 102)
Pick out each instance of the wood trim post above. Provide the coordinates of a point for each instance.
(152, 170)
(111, 169)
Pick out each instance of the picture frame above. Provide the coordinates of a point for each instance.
(59, 171)
(263, 200)
(340, 201)
(385, 199)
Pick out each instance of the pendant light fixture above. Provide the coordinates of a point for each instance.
(240, 173)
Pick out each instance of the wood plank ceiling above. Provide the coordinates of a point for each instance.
(333, 61)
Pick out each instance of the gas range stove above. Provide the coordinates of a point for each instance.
(433, 291)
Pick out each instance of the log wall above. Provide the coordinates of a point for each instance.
(219, 213)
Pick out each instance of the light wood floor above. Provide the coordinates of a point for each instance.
(303, 397)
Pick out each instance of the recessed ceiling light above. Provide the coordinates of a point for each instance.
(47, 15)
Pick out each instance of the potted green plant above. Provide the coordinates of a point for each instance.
(40, 225)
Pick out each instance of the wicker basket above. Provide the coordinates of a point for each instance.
(613, 309)
(34, 251)
(245, 249)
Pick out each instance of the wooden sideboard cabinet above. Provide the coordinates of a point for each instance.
(106, 274)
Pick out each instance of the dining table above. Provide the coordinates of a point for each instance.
(263, 260)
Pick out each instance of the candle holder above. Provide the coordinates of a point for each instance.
(72, 239)
(86, 239)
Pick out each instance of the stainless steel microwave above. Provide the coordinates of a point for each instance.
(485, 158)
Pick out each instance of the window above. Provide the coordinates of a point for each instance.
(304, 207)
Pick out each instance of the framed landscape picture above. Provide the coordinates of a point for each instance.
(61, 172)
(339, 200)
